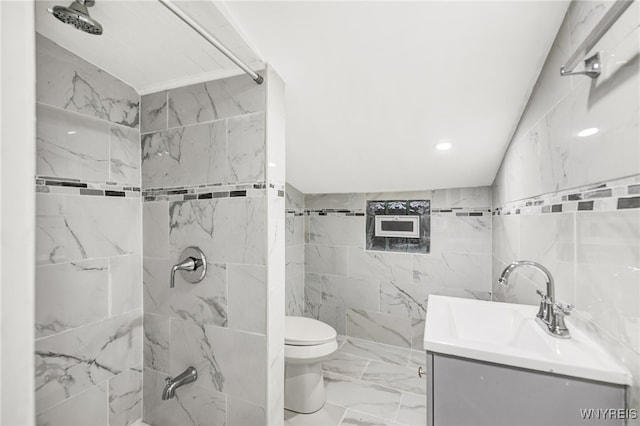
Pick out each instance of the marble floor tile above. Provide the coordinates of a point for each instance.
(376, 351)
(413, 409)
(345, 364)
(329, 415)
(357, 418)
(366, 397)
(401, 378)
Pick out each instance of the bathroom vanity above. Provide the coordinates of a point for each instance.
(490, 363)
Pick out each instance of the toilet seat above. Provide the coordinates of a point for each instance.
(301, 331)
(309, 352)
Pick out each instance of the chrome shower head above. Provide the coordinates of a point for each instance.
(78, 16)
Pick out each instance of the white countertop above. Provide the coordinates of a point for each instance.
(506, 333)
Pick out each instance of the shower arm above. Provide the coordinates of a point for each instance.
(212, 40)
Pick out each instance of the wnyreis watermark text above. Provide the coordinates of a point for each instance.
(609, 413)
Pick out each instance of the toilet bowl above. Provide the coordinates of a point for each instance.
(306, 343)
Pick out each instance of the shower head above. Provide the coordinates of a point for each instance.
(78, 16)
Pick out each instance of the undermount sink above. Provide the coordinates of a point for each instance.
(508, 334)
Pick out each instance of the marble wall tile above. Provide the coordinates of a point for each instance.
(193, 405)
(216, 99)
(125, 398)
(336, 230)
(294, 297)
(247, 293)
(204, 302)
(213, 352)
(87, 408)
(335, 316)
(240, 412)
(66, 81)
(404, 299)
(468, 271)
(184, 156)
(506, 238)
(153, 112)
(70, 228)
(354, 201)
(70, 145)
(294, 199)
(156, 342)
(227, 230)
(155, 229)
(342, 291)
(379, 327)
(294, 230)
(417, 333)
(522, 171)
(404, 195)
(124, 149)
(246, 148)
(71, 362)
(608, 272)
(325, 259)
(56, 311)
(550, 241)
(125, 283)
(461, 234)
(378, 265)
(462, 197)
(371, 399)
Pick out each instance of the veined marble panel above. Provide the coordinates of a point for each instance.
(155, 229)
(71, 362)
(87, 408)
(378, 327)
(294, 297)
(404, 299)
(294, 199)
(193, 405)
(325, 259)
(125, 398)
(372, 399)
(378, 265)
(184, 156)
(213, 351)
(461, 234)
(70, 228)
(335, 316)
(205, 302)
(156, 342)
(216, 99)
(240, 412)
(153, 112)
(401, 378)
(227, 230)
(247, 294)
(66, 81)
(336, 230)
(413, 409)
(462, 197)
(295, 230)
(506, 237)
(342, 291)
(69, 145)
(467, 271)
(87, 283)
(353, 201)
(417, 332)
(246, 149)
(124, 149)
(125, 283)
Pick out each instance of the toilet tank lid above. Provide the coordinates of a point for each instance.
(301, 331)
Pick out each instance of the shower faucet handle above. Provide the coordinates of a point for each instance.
(193, 268)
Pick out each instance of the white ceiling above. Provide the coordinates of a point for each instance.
(372, 86)
(146, 45)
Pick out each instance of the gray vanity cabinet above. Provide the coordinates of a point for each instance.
(463, 391)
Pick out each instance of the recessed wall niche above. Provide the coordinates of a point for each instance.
(402, 226)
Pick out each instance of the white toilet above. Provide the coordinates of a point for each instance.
(306, 342)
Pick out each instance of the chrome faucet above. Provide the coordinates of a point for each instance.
(189, 375)
(550, 315)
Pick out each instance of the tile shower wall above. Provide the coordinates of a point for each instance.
(88, 273)
(381, 296)
(573, 203)
(294, 284)
(204, 182)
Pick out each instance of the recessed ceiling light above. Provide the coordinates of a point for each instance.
(72, 132)
(443, 146)
(588, 132)
(272, 164)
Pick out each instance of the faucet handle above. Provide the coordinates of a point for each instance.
(565, 310)
(542, 295)
(168, 379)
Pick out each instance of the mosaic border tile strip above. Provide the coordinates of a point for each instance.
(619, 194)
(453, 211)
(68, 186)
(203, 192)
